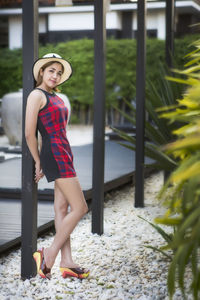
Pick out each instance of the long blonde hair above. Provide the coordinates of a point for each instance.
(39, 78)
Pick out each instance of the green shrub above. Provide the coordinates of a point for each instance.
(10, 70)
(120, 67)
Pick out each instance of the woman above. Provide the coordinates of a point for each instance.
(46, 112)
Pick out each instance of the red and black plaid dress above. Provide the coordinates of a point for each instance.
(56, 155)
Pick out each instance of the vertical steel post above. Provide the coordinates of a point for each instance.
(140, 103)
(99, 116)
(170, 24)
(169, 43)
(29, 188)
(127, 20)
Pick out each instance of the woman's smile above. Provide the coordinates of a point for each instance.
(53, 81)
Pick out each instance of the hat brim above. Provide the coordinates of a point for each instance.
(42, 61)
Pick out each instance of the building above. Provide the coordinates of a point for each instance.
(61, 23)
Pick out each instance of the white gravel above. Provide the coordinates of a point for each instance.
(121, 267)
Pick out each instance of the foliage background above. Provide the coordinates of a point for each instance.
(120, 67)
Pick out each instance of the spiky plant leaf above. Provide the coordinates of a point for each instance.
(171, 279)
(159, 250)
(167, 237)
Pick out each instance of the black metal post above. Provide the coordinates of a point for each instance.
(140, 103)
(170, 24)
(99, 116)
(127, 19)
(169, 43)
(29, 188)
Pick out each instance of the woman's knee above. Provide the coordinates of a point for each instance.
(81, 210)
(71, 190)
(61, 208)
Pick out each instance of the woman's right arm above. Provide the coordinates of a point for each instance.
(34, 103)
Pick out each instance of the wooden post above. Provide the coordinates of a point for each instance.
(99, 116)
(29, 187)
(140, 103)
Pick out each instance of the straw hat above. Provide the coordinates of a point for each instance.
(52, 57)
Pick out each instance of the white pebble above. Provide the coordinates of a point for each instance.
(121, 268)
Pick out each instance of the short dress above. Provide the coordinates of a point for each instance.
(56, 157)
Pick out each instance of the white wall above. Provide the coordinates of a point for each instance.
(71, 21)
(161, 25)
(134, 23)
(15, 30)
(152, 20)
(155, 20)
(114, 20)
(83, 21)
(42, 24)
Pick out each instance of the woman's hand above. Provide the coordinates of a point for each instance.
(38, 172)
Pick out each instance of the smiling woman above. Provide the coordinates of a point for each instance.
(52, 69)
(47, 60)
(47, 112)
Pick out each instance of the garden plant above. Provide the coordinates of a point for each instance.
(173, 141)
(181, 192)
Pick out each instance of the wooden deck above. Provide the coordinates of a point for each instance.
(119, 169)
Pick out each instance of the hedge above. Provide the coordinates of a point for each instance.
(120, 67)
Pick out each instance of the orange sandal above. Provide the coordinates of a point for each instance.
(42, 269)
(74, 272)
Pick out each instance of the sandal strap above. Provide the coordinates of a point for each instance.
(79, 270)
(45, 270)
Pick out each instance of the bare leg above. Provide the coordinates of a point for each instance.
(71, 190)
(61, 210)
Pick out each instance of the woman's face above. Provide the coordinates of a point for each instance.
(51, 75)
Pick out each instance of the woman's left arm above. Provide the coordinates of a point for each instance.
(34, 103)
